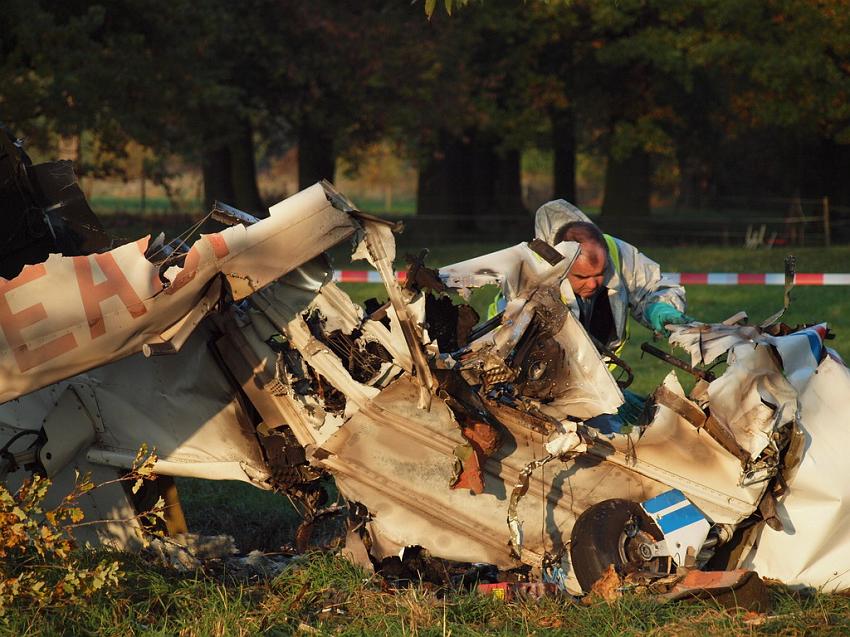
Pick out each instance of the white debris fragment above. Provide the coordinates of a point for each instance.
(567, 442)
(706, 342)
(188, 551)
(260, 564)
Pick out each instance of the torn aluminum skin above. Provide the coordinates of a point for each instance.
(70, 314)
(268, 373)
(791, 374)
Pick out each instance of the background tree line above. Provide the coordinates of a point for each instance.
(743, 97)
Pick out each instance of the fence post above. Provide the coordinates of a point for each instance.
(827, 238)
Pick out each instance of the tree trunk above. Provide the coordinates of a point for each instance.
(625, 208)
(561, 62)
(482, 176)
(445, 184)
(467, 178)
(243, 172)
(837, 168)
(508, 184)
(493, 185)
(218, 180)
(564, 150)
(431, 186)
(316, 158)
(692, 178)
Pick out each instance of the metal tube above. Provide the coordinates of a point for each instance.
(676, 362)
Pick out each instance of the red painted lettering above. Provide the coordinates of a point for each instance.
(193, 260)
(93, 294)
(13, 323)
(219, 245)
(190, 268)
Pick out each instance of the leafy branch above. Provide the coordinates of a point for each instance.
(38, 564)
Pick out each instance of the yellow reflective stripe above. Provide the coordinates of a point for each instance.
(614, 252)
(493, 308)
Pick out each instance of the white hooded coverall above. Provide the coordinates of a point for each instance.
(634, 285)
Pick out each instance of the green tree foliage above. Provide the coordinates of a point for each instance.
(200, 78)
(780, 71)
(703, 85)
(331, 75)
(474, 105)
(703, 82)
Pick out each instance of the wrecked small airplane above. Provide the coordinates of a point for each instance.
(238, 358)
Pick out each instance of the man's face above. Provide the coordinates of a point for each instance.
(587, 272)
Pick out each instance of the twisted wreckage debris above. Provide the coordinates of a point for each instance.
(240, 359)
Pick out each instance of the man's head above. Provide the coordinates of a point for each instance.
(588, 271)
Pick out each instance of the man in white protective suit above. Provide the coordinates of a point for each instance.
(610, 279)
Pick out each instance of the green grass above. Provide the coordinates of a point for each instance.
(232, 507)
(105, 204)
(719, 259)
(324, 594)
(401, 206)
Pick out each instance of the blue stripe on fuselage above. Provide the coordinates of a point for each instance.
(663, 501)
(680, 518)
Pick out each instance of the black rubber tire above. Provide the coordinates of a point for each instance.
(596, 536)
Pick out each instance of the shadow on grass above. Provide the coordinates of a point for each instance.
(257, 519)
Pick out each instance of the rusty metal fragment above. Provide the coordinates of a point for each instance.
(700, 420)
(483, 441)
(731, 589)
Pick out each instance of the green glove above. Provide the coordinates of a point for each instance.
(660, 314)
(631, 410)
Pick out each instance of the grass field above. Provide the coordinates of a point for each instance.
(323, 594)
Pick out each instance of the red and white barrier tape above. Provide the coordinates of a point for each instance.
(769, 278)
(683, 278)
